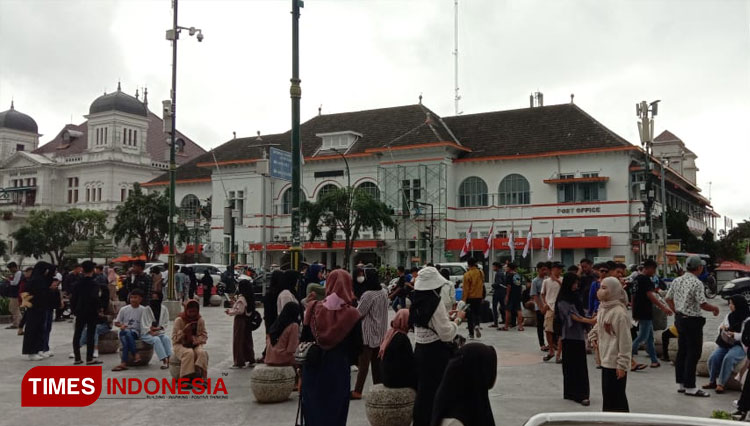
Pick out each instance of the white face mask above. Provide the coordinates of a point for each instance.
(360, 279)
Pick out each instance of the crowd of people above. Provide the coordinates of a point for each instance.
(324, 323)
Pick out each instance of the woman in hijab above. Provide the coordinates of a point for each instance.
(433, 329)
(242, 337)
(154, 325)
(462, 398)
(313, 278)
(283, 337)
(188, 337)
(396, 354)
(207, 282)
(611, 335)
(373, 307)
(573, 324)
(193, 282)
(334, 324)
(36, 315)
(729, 350)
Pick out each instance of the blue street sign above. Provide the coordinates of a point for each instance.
(281, 164)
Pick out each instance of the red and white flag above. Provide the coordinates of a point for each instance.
(512, 244)
(527, 247)
(551, 249)
(467, 244)
(490, 239)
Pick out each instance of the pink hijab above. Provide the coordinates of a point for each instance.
(400, 324)
(332, 319)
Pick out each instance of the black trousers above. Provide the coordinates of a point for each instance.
(666, 336)
(689, 348)
(431, 360)
(475, 314)
(613, 391)
(743, 404)
(498, 299)
(90, 324)
(540, 327)
(575, 370)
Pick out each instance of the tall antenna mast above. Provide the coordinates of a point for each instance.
(455, 54)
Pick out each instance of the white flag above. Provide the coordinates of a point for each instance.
(512, 244)
(551, 249)
(490, 239)
(467, 244)
(527, 247)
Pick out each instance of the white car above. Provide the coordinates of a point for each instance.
(215, 270)
(620, 419)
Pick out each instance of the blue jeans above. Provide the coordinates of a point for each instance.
(127, 341)
(645, 334)
(722, 362)
(161, 343)
(100, 329)
(398, 301)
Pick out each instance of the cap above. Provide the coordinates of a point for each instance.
(693, 262)
(429, 279)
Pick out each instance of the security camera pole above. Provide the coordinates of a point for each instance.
(646, 132)
(170, 115)
(295, 92)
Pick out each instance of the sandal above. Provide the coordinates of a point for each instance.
(93, 362)
(163, 367)
(548, 357)
(719, 389)
(119, 368)
(700, 394)
(655, 365)
(638, 367)
(520, 328)
(78, 362)
(544, 348)
(709, 386)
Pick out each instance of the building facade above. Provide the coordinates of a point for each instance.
(92, 165)
(549, 170)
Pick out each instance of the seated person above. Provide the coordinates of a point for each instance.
(153, 329)
(283, 337)
(397, 355)
(102, 328)
(129, 322)
(188, 337)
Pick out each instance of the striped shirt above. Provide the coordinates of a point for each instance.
(373, 307)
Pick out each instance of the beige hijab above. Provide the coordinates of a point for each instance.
(610, 298)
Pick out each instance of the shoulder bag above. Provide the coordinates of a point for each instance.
(309, 353)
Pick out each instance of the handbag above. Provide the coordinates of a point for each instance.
(254, 320)
(725, 339)
(309, 353)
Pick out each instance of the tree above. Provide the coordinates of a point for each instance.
(50, 233)
(734, 243)
(349, 210)
(677, 228)
(142, 222)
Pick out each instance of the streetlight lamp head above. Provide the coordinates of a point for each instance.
(199, 36)
(191, 30)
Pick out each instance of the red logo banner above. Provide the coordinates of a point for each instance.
(61, 386)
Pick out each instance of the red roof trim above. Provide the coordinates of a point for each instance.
(547, 154)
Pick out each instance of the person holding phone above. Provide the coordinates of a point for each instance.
(154, 325)
(188, 337)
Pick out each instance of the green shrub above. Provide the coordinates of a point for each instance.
(4, 306)
(719, 414)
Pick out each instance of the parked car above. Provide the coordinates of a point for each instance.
(620, 419)
(737, 286)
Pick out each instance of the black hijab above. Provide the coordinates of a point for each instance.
(246, 290)
(741, 312)
(155, 304)
(41, 280)
(372, 280)
(423, 306)
(289, 315)
(568, 295)
(464, 391)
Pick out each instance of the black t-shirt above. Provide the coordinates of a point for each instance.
(642, 306)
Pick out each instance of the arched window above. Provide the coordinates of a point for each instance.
(326, 189)
(190, 206)
(370, 188)
(286, 202)
(514, 189)
(472, 193)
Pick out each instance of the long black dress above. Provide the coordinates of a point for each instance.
(33, 337)
(574, 367)
(398, 364)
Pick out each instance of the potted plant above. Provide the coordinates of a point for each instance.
(5, 317)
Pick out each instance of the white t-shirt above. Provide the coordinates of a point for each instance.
(550, 289)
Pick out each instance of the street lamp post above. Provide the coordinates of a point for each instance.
(664, 164)
(171, 108)
(295, 92)
(646, 132)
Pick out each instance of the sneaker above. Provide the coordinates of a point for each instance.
(72, 355)
(96, 353)
(35, 357)
(47, 354)
(478, 332)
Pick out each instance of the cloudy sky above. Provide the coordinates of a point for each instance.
(57, 56)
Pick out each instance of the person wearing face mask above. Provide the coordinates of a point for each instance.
(373, 307)
(359, 283)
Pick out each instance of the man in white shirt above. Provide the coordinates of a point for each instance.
(550, 290)
(15, 279)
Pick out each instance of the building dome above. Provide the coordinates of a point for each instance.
(118, 101)
(12, 119)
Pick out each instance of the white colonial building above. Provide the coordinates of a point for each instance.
(552, 169)
(92, 165)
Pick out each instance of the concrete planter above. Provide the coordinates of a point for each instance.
(215, 300)
(529, 318)
(109, 343)
(174, 367)
(389, 407)
(701, 369)
(272, 384)
(174, 307)
(145, 350)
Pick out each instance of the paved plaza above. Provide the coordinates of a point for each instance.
(525, 385)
